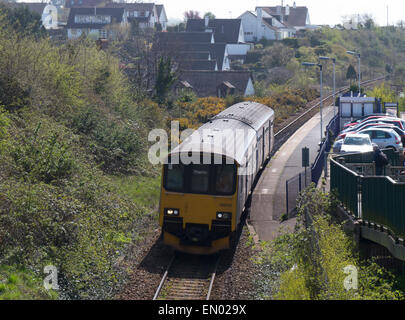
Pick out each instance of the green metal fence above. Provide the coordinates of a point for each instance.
(383, 203)
(393, 157)
(382, 198)
(346, 185)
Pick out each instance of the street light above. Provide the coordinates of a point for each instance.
(359, 57)
(334, 81)
(310, 64)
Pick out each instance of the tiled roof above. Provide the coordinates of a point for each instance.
(296, 18)
(133, 6)
(32, 6)
(179, 38)
(206, 83)
(225, 30)
(115, 13)
(208, 65)
(217, 50)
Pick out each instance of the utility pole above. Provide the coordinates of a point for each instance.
(310, 64)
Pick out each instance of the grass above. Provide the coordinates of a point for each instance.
(145, 191)
(21, 284)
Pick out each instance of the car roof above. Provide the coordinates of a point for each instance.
(381, 129)
(358, 135)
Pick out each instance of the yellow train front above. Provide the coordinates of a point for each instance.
(207, 180)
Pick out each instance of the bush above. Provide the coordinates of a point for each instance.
(309, 263)
(43, 157)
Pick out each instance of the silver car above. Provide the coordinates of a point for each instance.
(356, 143)
(384, 138)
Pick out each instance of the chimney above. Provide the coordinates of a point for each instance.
(207, 20)
(295, 5)
(287, 10)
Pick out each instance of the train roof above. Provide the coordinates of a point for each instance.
(239, 124)
(251, 113)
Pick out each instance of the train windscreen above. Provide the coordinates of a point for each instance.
(201, 178)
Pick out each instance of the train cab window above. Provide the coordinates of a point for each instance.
(225, 176)
(200, 178)
(175, 177)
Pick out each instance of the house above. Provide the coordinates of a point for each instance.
(86, 3)
(143, 14)
(291, 16)
(190, 64)
(217, 51)
(180, 38)
(162, 16)
(217, 83)
(229, 31)
(260, 24)
(47, 12)
(94, 22)
(224, 30)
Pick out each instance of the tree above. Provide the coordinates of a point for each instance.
(192, 15)
(23, 20)
(351, 73)
(164, 80)
(209, 15)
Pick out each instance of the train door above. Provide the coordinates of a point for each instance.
(264, 145)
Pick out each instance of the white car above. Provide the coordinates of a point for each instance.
(356, 143)
(384, 138)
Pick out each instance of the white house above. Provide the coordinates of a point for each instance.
(162, 16)
(94, 22)
(260, 24)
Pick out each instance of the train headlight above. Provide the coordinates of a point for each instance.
(172, 212)
(224, 215)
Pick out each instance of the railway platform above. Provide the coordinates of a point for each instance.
(269, 197)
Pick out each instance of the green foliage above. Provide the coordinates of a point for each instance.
(383, 92)
(164, 80)
(308, 264)
(20, 284)
(43, 157)
(351, 73)
(70, 116)
(4, 124)
(23, 20)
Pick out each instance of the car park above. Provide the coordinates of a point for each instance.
(395, 121)
(365, 118)
(377, 125)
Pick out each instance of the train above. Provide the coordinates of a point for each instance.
(207, 179)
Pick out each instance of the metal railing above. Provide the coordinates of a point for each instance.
(378, 200)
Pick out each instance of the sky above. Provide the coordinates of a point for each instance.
(320, 11)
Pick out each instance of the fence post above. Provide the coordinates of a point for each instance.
(286, 191)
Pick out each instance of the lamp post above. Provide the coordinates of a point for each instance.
(334, 81)
(310, 64)
(359, 58)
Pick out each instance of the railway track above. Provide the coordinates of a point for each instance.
(283, 135)
(188, 277)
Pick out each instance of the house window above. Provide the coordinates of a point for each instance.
(102, 34)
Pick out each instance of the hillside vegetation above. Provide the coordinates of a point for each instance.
(69, 121)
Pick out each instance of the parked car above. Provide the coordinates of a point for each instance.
(365, 118)
(399, 131)
(395, 121)
(337, 146)
(377, 125)
(356, 143)
(384, 138)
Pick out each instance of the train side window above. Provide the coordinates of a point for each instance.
(225, 177)
(200, 178)
(174, 177)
